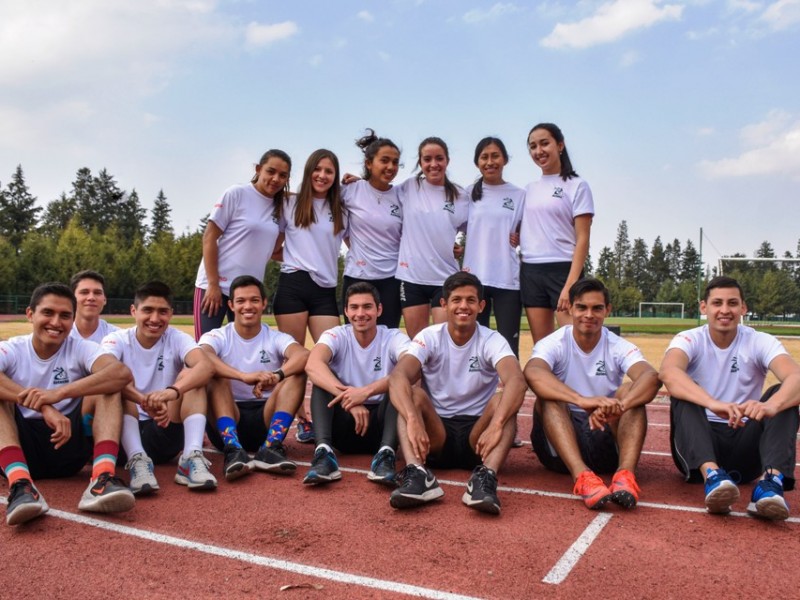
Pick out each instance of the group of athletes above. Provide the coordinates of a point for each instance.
(447, 394)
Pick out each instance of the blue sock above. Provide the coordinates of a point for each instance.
(227, 430)
(278, 428)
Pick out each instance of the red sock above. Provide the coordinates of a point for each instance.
(105, 458)
(12, 461)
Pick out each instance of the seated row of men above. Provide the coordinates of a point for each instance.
(151, 388)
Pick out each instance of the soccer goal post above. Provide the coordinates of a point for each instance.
(651, 309)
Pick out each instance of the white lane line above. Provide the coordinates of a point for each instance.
(262, 561)
(570, 558)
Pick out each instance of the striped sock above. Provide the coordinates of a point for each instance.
(228, 432)
(12, 461)
(105, 458)
(278, 428)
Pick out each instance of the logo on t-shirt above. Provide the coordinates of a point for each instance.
(160, 362)
(264, 357)
(60, 376)
(601, 368)
(508, 203)
(558, 192)
(330, 217)
(734, 365)
(450, 207)
(473, 364)
(377, 362)
(394, 211)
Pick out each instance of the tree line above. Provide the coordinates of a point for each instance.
(97, 225)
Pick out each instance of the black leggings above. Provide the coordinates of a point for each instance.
(507, 313)
(389, 291)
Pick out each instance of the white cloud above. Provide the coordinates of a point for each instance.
(747, 6)
(782, 14)
(695, 35)
(773, 149)
(366, 16)
(258, 35)
(610, 22)
(477, 15)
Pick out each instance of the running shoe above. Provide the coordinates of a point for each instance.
(417, 486)
(767, 500)
(236, 463)
(481, 491)
(193, 472)
(382, 469)
(107, 494)
(324, 468)
(304, 432)
(143, 477)
(273, 459)
(24, 503)
(721, 492)
(592, 490)
(624, 489)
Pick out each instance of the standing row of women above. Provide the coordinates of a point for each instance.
(401, 238)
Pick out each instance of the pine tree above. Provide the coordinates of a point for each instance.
(658, 268)
(18, 210)
(84, 197)
(622, 253)
(130, 220)
(57, 215)
(109, 200)
(690, 263)
(161, 221)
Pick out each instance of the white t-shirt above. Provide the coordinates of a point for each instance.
(73, 361)
(357, 366)
(264, 352)
(734, 374)
(492, 219)
(430, 224)
(598, 373)
(249, 232)
(548, 221)
(153, 368)
(460, 380)
(103, 329)
(374, 225)
(313, 249)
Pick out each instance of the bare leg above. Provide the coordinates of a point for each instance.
(416, 318)
(540, 321)
(561, 434)
(321, 323)
(498, 454)
(629, 432)
(295, 325)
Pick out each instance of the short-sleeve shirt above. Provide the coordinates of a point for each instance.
(548, 233)
(460, 380)
(596, 373)
(73, 361)
(153, 368)
(374, 226)
(103, 329)
(249, 232)
(357, 366)
(264, 352)
(734, 374)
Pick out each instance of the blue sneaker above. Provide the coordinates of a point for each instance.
(305, 432)
(382, 469)
(721, 492)
(767, 501)
(324, 468)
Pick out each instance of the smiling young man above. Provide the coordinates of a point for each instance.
(720, 421)
(259, 384)
(165, 408)
(350, 405)
(89, 289)
(586, 420)
(48, 382)
(457, 419)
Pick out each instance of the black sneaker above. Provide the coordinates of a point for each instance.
(382, 469)
(107, 494)
(481, 491)
(417, 486)
(24, 503)
(324, 468)
(273, 459)
(237, 462)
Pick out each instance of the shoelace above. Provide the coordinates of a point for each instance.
(383, 458)
(486, 478)
(403, 475)
(770, 485)
(23, 486)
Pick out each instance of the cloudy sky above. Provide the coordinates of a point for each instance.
(681, 114)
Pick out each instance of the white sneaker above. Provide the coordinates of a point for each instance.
(107, 494)
(143, 478)
(193, 472)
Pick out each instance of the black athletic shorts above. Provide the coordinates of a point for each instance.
(598, 447)
(456, 452)
(417, 294)
(161, 444)
(541, 284)
(298, 293)
(251, 427)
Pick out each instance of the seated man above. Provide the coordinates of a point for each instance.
(715, 376)
(48, 380)
(349, 368)
(165, 408)
(258, 385)
(585, 419)
(89, 290)
(457, 419)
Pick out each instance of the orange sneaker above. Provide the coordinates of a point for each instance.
(624, 489)
(592, 489)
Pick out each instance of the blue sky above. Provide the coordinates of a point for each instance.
(679, 114)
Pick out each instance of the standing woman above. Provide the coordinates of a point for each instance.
(554, 238)
(495, 212)
(433, 210)
(314, 225)
(375, 222)
(241, 235)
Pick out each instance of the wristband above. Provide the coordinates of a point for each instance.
(174, 389)
(281, 375)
